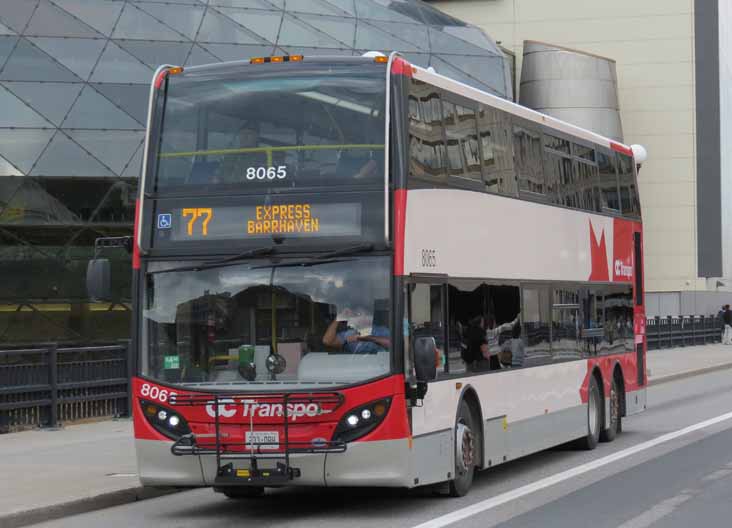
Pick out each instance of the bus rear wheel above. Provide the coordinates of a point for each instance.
(594, 416)
(614, 427)
(467, 442)
(242, 492)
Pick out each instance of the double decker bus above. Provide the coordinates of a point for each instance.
(358, 272)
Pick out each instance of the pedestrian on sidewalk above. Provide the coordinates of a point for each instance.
(727, 318)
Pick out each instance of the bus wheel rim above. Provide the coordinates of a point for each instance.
(593, 412)
(465, 447)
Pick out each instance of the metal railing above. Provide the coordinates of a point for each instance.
(47, 386)
(680, 331)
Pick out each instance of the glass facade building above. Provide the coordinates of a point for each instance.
(74, 84)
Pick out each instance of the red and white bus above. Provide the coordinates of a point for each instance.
(358, 272)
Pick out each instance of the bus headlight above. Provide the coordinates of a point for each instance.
(361, 420)
(164, 421)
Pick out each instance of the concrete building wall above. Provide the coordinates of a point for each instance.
(653, 44)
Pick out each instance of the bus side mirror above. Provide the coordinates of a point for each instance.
(99, 280)
(424, 359)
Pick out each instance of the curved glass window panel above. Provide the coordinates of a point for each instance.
(486, 69)
(265, 23)
(136, 24)
(315, 7)
(418, 59)
(445, 68)
(116, 65)
(50, 21)
(15, 113)
(51, 100)
(4, 30)
(295, 32)
(435, 17)
(371, 10)
(347, 6)
(93, 110)
(114, 148)
(252, 4)
(99, 14)
(219, 28)
(200, 56)
(7, 169)
(29, 63)
(229, 52)
(414, 33)
(63, 157)
(156, 53)
(443, 42)
(177, 2)
(474, 36)
(340, 28)
(22, 147)
(312, 52)
(134, 166)
(185, 19)
(7, 44)
(369, 37)
(16, 14)
(132, 98)
(78, 55)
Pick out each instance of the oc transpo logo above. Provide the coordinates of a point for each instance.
(622, 269)
(228, 409)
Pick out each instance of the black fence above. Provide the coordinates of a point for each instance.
(47, 386)
(680, 331)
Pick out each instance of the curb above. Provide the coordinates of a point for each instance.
(75, 507)
(681, 375)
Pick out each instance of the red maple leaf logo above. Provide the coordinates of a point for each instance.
(598, 257)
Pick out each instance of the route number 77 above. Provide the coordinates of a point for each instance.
(195, 214)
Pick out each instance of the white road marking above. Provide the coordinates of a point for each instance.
(657, 512)
(498, 500)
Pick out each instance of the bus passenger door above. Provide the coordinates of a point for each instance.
(432, 423)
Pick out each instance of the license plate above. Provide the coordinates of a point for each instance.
(263, 439)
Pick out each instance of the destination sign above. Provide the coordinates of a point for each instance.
(294, 219)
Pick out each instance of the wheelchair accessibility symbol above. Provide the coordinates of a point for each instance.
(165, 221)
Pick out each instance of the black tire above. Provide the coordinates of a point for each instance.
(468, 429)
(615, 425)
(242, 492)
(595, 418)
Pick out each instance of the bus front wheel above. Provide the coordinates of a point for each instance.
(595, 420)
(467, 442)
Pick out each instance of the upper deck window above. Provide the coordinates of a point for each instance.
(285, 127)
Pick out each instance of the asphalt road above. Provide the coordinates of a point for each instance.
(685, 481)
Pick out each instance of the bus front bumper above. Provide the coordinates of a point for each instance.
(378, 463)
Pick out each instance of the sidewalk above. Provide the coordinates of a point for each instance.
(51, 474)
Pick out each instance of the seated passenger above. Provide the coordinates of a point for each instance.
(512, 351)
(476, 345)
(352, 342)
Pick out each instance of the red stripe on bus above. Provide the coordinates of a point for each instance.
(400, 220)
(160, 79)
(135, 247)
(401, 67)
(617, 147)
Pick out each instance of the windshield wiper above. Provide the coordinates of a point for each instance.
(325, 258)
(361, 248)
(257, 252)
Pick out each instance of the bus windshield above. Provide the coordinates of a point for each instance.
(292, 323)
(283, 126)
